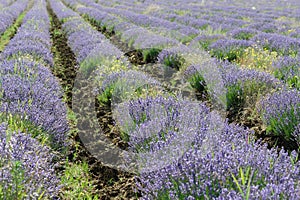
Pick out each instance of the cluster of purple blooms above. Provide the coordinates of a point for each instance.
(281, 112)
(21, 154)
(222, 160)
(287, 69)
(161, 120)
(9, 14)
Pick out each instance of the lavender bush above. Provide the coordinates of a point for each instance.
(236, 168)
(242, 33)
(29, 89)
(171, 58)
(281, 112)
(205, 40)
(26, 168)
(288, 70)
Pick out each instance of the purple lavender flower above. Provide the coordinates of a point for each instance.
(288, 69)
(33, 159)
(196, 175)
(281, 112)
(30, 90)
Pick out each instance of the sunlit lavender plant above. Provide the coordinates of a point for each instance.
(29, 89)
(280, 112)
(235, 167)
(288, 70)
(171, 58)
(26, 168)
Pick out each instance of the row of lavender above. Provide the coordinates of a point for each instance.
(215, 15)
(235, 79)
(160, 26)
(33, 115)
(135, 36)
(10, 13)
(285, 65)
(219, 45)
(267, 28)
(218, 169)
(233, 33)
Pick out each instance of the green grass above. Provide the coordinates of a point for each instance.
(77, 182)
(150, 55)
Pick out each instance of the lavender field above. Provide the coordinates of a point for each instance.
(174, 99)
